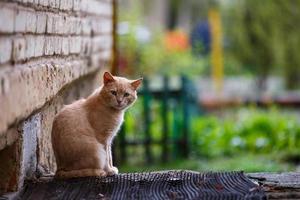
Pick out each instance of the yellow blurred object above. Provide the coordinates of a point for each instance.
(176, 41)
(216, 49)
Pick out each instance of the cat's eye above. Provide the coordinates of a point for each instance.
(113, 92)
(126, 94)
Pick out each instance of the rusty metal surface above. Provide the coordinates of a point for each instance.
(155, 185)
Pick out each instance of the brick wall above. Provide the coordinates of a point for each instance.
(51, 52)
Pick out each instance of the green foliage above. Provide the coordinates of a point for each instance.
(153, 58)
(240, 162)
(264, 37)
(256, 131)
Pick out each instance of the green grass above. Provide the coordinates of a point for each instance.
(242, 162)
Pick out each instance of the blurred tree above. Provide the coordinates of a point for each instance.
(264, 36)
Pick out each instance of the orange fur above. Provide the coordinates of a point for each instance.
(83, 131)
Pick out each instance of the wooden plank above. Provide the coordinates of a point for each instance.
(279, 185)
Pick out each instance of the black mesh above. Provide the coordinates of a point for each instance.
(155, 185)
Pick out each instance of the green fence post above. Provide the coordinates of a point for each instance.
(186, 116)
(147, 120)
(165, 120)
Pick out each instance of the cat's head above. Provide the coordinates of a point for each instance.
(118, 92)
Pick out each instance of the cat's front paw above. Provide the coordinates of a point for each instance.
(112, 171)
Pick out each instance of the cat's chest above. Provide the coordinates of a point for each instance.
(110, 126)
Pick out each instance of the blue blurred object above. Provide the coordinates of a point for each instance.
(200, 38)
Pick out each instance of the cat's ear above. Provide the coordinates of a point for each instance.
(107, 78)
(136, 83)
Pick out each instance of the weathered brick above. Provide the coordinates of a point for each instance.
(49, 45)
(44, 2)
(5, 49)
(86, 27)
(19, 48)
(57, 44)
(20, 23)
(41, 22)
(39, 46)
(75, 44)
(66, 4)
(31, 22)
(49, 27)
(102, 42)
(72, 25)
(58, 24)
(76, 5)
(78, 26)
(86, 46)
(30, 46)
(65, 46)
(7, 17)
(51, 3)
(61, 35)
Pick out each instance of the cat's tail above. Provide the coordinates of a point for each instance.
(61, 174)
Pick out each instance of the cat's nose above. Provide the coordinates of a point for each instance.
(119, 102)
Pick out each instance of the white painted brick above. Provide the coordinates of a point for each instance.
(39, 46)
(5, 49)
(57, 45)
(19, 48)
(20, 23)
(105, 25)
(75, 44)
(86, 46)
(66, 4)
(51, 3)
(49, 45)
(72, 25)
(36, 2)
(49, 27)
(30, 46)
(86, 26)
(106, 55)
(102, 43)
(84, 5)
(57, 24)
(31, 22)
(78, 26)
(7, 17)
(96, 7)
(44, 2)
(30, 1)
(65, 46)
(76, 5)
(57, 3)
(41, 22)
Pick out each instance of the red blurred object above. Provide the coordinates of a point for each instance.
(176, 41)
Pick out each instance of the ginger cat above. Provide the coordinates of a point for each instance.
(83, 131)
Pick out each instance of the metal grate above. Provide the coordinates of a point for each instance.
(155, 185)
